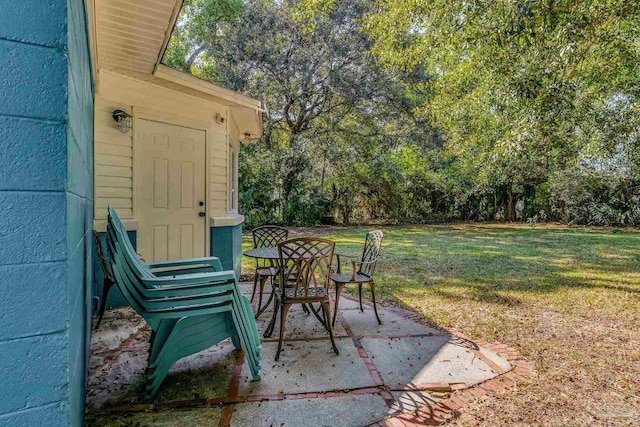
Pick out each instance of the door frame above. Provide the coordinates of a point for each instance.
(172, 120)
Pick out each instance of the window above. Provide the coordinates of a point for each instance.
(233, 181)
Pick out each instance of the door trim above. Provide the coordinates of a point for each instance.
(151, 116)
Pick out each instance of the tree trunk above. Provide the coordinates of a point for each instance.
(192, 58)
(511, 206)
(346, 211)
(294, 165)
(324, 169)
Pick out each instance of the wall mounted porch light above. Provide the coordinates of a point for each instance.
(123, 119)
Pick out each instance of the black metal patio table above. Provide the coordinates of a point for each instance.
(270, 253)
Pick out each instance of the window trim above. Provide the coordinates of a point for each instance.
(233, 180)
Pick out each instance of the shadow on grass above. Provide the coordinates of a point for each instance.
(498, 264)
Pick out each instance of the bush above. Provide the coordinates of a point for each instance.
(590, 196)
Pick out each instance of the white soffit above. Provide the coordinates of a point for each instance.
(187, 83)
(131, 34)
(130, 37)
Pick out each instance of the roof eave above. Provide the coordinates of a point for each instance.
(231, 97)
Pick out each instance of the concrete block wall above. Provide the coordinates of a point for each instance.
(46, 206)
(79, 198)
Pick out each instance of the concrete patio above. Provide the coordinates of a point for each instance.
(401, 371)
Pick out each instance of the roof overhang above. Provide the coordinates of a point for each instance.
(129, 37)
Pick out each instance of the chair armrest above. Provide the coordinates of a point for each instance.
(354, 266)
(365, 262)
(188, 311)
(185, 305)
(204, 261)
(349, 255)
(190, 279)
(338, 256)
(196, 269)
(190, 295)
(190, 290)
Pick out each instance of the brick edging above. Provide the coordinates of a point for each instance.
(234, 385)
(446, 409)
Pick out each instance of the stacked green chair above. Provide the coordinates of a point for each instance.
(190, 305)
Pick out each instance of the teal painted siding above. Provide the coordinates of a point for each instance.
(43, 144)
(34, 21)
(34, 79)
(54, 414)
(46, 206)
(226, 244)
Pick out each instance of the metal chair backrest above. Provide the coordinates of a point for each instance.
(104, 262)
(268, 236)
(371, 252)
(312, 259)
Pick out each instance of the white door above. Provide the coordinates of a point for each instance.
(170, 177)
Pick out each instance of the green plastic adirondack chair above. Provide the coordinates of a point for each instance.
(167, 302)
(192, 305)
(193, 294)
(189, 281)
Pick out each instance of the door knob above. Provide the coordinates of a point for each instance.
(201, 203)
(202, 214)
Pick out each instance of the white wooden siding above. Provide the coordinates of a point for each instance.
(113, 158)
(218, 165)
(114, 150)
(233, 138)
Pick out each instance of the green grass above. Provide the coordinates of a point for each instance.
(567, 298)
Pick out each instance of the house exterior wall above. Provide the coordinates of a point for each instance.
(115, 151)
(234, 143)
(46, 199)
(226, 235)
(113, 162)
(115, 181)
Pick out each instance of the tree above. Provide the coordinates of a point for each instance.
(312, 81)
(406, 110)
(199, 26)
(517, 83)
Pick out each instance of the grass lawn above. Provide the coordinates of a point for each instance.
(567, 298)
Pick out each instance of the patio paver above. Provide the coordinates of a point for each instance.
(361, 323)
(200, 417)
(426, 360)
(308, 366)
(350, 410)
(299, 326)
(383, 372)
(409, 401)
